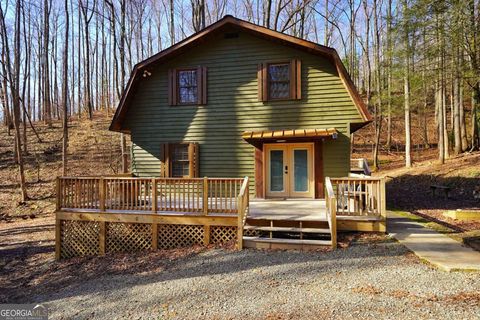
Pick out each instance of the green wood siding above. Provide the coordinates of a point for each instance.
(233, 108)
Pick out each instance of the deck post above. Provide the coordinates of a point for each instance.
(102, 194)
(102, 232)
(205, 195)
(383, 206)
(333, 213)
(58, 239)
(58, 191)
(240, 209)
(206, 235)
(154, 236)
(154, 195)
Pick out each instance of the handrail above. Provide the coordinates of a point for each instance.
(331, 205)
(243, 209)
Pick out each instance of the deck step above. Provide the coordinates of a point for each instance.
(288, 241)
(287, 229)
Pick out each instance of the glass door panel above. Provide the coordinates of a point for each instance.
(300, 170)
(276, 170)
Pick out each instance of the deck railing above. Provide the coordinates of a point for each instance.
(359, 196)
(331, 205)
(184, 195)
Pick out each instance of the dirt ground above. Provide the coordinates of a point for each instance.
(369, 277)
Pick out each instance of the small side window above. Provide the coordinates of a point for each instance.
(179, 160)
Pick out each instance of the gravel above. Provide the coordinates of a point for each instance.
(367, 281)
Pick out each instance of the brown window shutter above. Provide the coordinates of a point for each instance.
(202, 85)
(165, 160)
(298, 77)
(262, 82)
(193, 156)
(295, 79)
(172, 87)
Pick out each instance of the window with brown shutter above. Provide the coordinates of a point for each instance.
(187, 86)
(280, 80)
(179, 160)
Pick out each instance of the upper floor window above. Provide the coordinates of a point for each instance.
(280, 80)
(187, 86)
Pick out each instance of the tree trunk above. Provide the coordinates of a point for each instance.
(65, 92)
(406, 82)
(14, 79)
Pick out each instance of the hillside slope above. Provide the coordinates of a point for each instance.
(93, 150)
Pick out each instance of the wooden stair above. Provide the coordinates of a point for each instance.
(286, 234)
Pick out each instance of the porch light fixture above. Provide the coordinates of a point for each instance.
(146, 73)
(280, 141)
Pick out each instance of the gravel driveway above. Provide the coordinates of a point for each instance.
(367, 281)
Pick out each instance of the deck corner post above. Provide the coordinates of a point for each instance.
(58, 238)
(58, 194)
(154, 195)
(102, 241)
(240, 223)
(102, 190)
(205, 195)
(383, 205)
(333, 207)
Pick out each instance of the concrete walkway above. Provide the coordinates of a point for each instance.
(438, 249)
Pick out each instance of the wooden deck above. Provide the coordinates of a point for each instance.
(98, 215)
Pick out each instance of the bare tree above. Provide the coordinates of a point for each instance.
(14, 80)
(65, 90)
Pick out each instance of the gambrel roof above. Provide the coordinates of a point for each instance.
(245, 26)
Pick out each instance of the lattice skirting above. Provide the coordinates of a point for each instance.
(178, 235)
(84, 238)
(222, 234)
(128, 237)
(79, 238)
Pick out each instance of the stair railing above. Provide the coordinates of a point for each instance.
(331, 205)
(243, 206)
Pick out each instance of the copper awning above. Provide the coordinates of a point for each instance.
(290, 134)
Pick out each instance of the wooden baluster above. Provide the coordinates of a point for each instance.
(102, 194)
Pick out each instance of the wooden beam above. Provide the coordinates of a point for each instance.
(318, 169)
(188, 219)
(259, 179)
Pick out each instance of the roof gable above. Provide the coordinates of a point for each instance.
(229, 22)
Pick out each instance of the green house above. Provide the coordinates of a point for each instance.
(237, 99)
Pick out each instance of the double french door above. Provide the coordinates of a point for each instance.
(289, 170)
